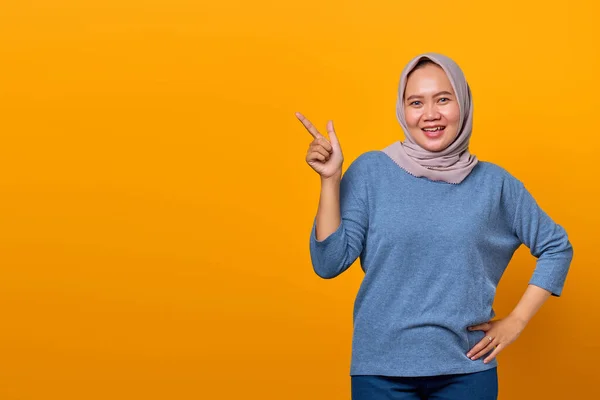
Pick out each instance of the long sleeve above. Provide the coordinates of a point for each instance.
(433, 254)
(338, 251)
(546, 240)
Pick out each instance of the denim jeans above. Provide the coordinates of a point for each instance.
(472, 386)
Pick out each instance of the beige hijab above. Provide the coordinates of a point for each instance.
(452, 164)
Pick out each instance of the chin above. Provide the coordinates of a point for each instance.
(433, 145)
(434, 148)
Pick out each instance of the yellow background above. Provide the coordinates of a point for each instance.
(155, 204)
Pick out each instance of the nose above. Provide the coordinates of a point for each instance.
(431, 112)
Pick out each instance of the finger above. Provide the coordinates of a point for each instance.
(314, 155)
(309, 126)
(497, 350)
(320, 149)
(486, 347)
(483, 343)
(486, 326)
(331, 132)
(323, 142)
(483, 352)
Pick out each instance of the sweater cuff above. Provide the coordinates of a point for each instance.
(330, 241)
(550, 274)
(327, 254)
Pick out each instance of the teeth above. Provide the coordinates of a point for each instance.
(432, 129)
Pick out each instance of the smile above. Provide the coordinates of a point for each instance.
(434, 132)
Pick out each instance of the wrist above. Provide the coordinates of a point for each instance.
(332, 180)
(520, 319)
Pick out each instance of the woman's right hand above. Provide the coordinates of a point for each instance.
(324, 156)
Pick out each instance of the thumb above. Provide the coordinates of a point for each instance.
(481, 327)
(332, 135)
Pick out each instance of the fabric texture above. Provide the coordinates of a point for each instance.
(474, 386)
(454, 163)
(433, 254)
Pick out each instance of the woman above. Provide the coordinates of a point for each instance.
(435, 229)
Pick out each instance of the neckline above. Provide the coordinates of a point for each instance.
(426, 179)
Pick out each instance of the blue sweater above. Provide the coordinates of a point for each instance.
(433, 254)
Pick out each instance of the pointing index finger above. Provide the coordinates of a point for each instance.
(309, 126)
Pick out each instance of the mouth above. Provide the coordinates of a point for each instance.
(434, 131)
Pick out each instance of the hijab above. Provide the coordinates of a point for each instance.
(454, 163)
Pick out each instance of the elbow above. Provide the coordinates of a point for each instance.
(558, 247)
(328, 268)
(565, 244)
(326, 272)
(567, 249)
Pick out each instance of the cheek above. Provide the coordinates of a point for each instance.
(452, 115)
(412, 117)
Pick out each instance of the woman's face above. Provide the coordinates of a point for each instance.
(431, 108)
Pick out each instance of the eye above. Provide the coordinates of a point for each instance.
(413, 103)
(445, 98)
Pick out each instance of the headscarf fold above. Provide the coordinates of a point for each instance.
(454, 163)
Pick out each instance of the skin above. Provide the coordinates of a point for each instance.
(429, 99)
(326, 158)
(505, 331)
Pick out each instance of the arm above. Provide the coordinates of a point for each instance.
(505, 331)
(339, 230)
(328, 212)
(549, 243)
(533, 298)
(546, 240)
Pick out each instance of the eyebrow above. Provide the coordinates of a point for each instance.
(416, 96)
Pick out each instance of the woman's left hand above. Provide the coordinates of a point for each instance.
(502, 332)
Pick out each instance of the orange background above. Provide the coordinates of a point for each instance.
(156, 206)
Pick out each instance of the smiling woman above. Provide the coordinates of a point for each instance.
(434, 93)
(431, 110)
(435, 229)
